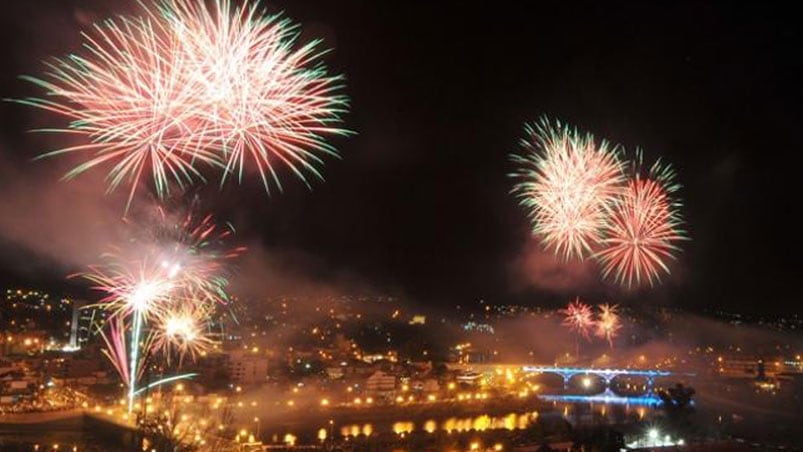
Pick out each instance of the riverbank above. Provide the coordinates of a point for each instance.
(74, 428)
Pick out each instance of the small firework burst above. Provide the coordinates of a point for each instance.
(608, 324)
(183, 330)
(578, 318)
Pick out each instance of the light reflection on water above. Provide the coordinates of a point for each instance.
(456, 424)
(511, 421)
(356, 429)
(605, 398)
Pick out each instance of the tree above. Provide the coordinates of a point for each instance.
(174, 428)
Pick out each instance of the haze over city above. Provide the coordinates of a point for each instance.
(374, 226)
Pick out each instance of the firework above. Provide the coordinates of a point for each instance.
(578, 318)
(129, 106)
(116, 350)
(136, 295)
(565, 180)
(130, 287)
(186, 88)
(190, 246)
(266, 100)
(608, 324)
(643, 228)
(161, 292)
(183, 330)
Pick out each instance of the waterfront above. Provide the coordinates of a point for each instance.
(72, 430)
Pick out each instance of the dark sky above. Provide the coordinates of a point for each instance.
(419, 203)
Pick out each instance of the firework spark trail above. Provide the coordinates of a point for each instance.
(164, 381)
(565, 179)
(608, 324)
(116, 347)
(136, 332)
(186, 88)
(643, 228)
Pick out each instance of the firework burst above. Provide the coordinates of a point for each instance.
(267, 102)
(185, 88)
(129, 106)
(608, 324)
(133, 286)
(191, 247)
(161, 292)
(643, 228)
(183, 330)
(578, 318)
(565, 179)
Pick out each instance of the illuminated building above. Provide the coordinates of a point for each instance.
(247, 368)
(380, 382)
(418, 320)
(32, 310)
(87, 321)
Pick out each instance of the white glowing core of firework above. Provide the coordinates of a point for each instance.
(181, 327)
(142, 296)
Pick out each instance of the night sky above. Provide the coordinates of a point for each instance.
(419, 205)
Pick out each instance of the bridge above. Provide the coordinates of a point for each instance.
(607, 375)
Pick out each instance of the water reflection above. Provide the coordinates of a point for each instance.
(575, 412)
(356, 429)
(606, 398)
(403, 427)
(511, 421)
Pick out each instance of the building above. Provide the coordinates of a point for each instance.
(418, 320)
(247, 368)
(469, 378)
(24, 343)
(25, 310)
(380, 382)
(87, 321)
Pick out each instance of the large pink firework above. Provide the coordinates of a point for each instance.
(565, 179)
(642, 230)
(608, 324)
(186, 88)
(130, 106)
(266, 101)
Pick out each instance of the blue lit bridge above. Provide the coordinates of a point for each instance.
(607, 375)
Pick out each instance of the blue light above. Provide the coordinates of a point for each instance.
(651, 401)
(593, 371)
